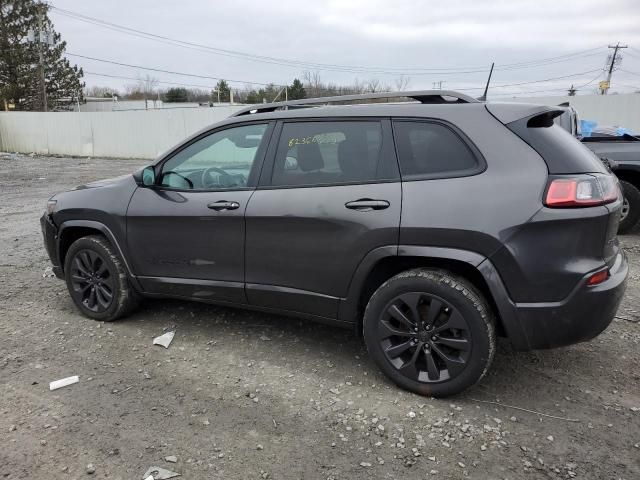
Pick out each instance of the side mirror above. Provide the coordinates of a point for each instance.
(148, 176)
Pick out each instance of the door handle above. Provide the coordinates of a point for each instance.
(366, 204)
(223, 205)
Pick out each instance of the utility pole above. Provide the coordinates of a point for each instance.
(604, 86)
(572, 91)
(439, 85)
(40, 39)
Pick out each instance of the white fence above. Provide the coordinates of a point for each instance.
(614, 110)
(135, 134)
(147, 133)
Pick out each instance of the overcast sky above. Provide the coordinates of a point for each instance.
(455, 40)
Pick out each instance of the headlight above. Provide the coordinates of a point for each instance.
(51, 206)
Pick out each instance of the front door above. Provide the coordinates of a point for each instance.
(329, 195)
(186, 234)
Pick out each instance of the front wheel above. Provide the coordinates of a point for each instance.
(630, 213)
(97, 280)
(430, 332)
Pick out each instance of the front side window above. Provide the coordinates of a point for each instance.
(221, 160)
(321, 153)
(428, 149)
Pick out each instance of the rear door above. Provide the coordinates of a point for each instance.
(329, 194)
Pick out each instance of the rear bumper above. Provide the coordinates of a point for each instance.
(583, 315)
(50, 236)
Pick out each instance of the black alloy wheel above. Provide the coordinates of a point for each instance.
(424, 337)
(92, 283)
(430, 331)
(97, 279)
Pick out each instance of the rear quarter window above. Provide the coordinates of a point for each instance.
(433, 150)
(561, 151)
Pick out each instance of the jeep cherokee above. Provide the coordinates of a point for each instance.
(430, 225)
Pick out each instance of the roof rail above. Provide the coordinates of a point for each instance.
(423, 96)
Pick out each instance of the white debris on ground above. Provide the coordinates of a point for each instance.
(48, 272)
(63, 382)
(164, 340)
(159, 473)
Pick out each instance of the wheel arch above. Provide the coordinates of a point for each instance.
(629, 175)
(72, 230)
(380, 265)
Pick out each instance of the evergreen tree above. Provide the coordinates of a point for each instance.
(25, 30)
(296, 90)
(225, 93)
(253, 97)
(176, 95)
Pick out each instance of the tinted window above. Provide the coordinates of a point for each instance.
(312, 153)
(562, 152)
(223, 159)
(427, 149)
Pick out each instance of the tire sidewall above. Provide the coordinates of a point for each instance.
(632, 195)
(468, 304)
(95, 244)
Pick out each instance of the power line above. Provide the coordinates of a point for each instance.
(629, 86)
(159, 81)
(532, 81)
(152, 69)
(527, 92)
(323, 66)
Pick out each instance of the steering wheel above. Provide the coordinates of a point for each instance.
(207, 171)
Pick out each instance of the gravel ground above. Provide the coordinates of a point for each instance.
(242, 395)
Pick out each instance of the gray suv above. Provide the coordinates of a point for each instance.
(431, 226)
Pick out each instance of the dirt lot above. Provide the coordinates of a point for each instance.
(243, 395)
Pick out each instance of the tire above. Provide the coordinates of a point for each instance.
(97, 280)
(629, 219)
(456, 331)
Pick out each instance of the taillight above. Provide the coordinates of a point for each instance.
(598, 277)
(582, 191)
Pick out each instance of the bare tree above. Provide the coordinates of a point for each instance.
(313, 83)
(402, 83)
(374, 85)
(147, 86)
(358, 87)
(133, 92)
(101, 92)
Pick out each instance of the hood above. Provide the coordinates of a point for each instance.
(109, 182)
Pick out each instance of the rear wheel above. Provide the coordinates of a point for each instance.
(97, 281)
(630, 213)
(430, 332)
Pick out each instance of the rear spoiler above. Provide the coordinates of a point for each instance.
(538, 115)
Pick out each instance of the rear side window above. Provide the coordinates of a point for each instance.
(561, 151)
(432, 150)
(324, 153)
